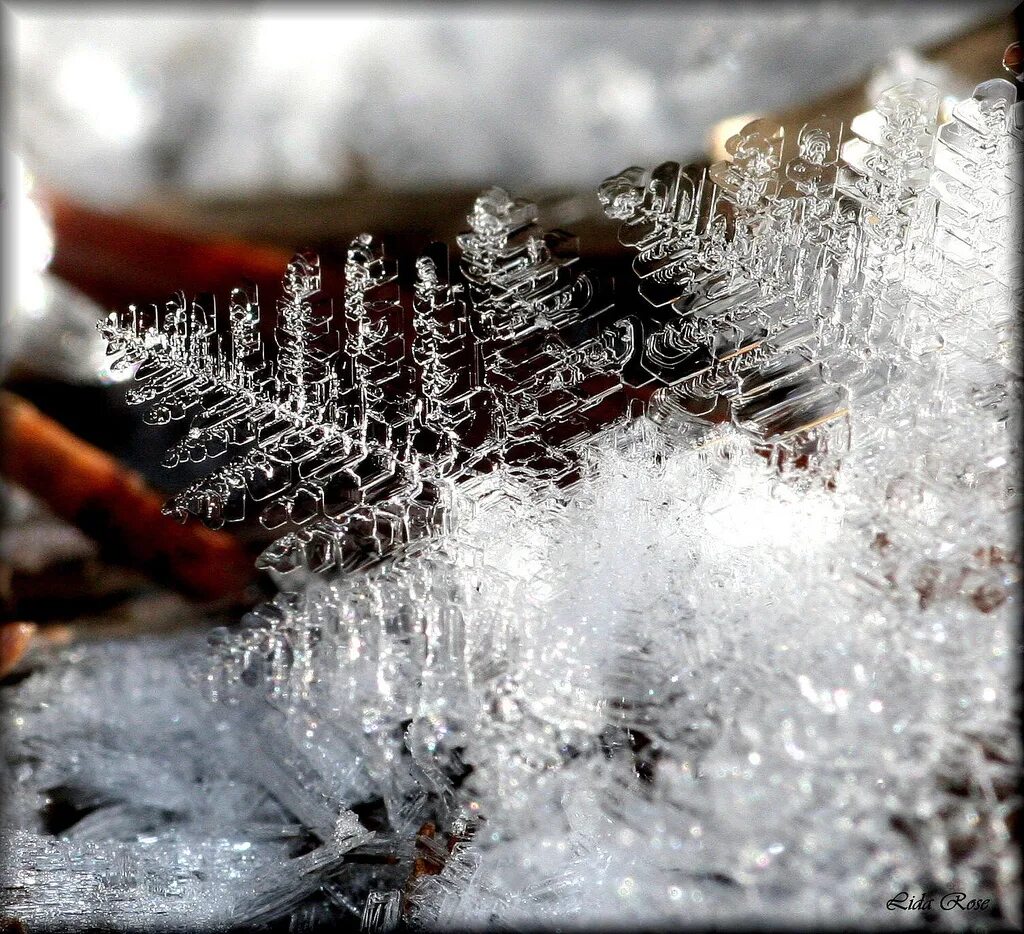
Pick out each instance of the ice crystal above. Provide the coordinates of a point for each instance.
(705, 685)
(166, 822)
(735, 264)
(779, 280)
(588, 692)
(351, 435)
(780, 285)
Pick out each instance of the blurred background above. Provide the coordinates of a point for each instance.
(118, 104)
(300, 126)
(162, 147)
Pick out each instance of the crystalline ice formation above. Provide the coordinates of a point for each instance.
(967, 246)
(755, 696)
(776, 692)
(780, 288)
(706, 687)
(780, 282)
(513, 361)
(734, 263)
(148, 814)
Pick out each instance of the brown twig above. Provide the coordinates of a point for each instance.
(113, 506)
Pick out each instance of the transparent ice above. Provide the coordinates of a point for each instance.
(351, 434)
(751, 657)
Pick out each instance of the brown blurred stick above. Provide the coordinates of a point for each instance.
(116, 259)
(15, 639)
(113, 506)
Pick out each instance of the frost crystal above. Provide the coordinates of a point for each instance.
(781, 288)
(701, 683)
(352, 435)
(779, 281)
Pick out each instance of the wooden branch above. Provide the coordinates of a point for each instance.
(116, 259)
(113, 506)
